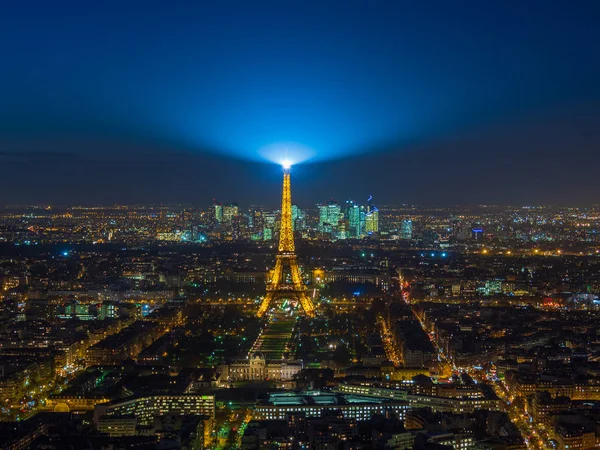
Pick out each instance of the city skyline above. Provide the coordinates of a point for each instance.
(312, 225)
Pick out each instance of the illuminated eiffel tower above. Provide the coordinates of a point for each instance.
(277, 286)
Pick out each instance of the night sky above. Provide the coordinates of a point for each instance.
(439, 102)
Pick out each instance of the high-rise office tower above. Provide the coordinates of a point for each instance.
(330, 214)
(267, 234)
(269, 219)
(249, 219)
(297, 218)
(372, 221)
(257, 219)
(218, 211)
(363, 228)
(371, 217)
(353, 216)
(322, 216)
(406, 229)
(229, 212)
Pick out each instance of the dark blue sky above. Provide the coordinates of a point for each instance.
(432, 102)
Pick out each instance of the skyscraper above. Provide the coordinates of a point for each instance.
(353, 215)
(297, 218)
(218, 212)
(371, 217)
(330, 214)
(229, 212)
(372, 221)
(268, 225)
(406, 230)
(257, 220)
(269, 219)
(267, 234)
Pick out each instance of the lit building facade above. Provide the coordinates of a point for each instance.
(330, 214)
(298, 218)
(117, 426)
(438, 403)
(145, 409)
(257, 367)
(406, 231)
(230, 212)
(372, 220)
(355, 216)
(218, 212)
(316, 403)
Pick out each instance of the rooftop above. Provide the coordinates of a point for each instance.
(318, 398)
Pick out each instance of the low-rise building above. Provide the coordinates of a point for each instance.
(146, 408)
(257, 367)
(317, 403)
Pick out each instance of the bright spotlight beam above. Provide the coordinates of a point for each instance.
(286, 154)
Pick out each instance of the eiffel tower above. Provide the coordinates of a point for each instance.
(277, 286)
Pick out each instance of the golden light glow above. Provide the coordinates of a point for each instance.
(277, 288)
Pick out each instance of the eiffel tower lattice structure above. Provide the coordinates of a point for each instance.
(278, 286)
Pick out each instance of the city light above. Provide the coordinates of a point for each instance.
(198, 303)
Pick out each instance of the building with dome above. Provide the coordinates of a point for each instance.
(258, 368)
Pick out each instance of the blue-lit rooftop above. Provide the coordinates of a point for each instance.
(318, 398)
